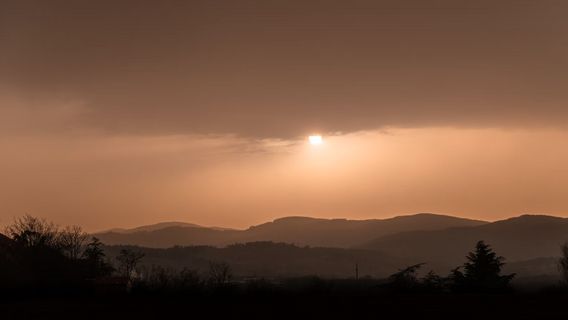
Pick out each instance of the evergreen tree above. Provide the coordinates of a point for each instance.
(94, 256)
(482, 271)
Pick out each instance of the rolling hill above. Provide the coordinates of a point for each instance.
(341, 233)
(522, 238)
(330, 247)
(161, 225)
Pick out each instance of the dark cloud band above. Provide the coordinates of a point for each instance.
(285, 68)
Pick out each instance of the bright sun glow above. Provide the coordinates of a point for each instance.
(315, 140)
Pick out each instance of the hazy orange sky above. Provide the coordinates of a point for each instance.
(121, 113)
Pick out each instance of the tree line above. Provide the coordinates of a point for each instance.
(480, 273)
(38, 255)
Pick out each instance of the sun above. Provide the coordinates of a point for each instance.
(315, 140)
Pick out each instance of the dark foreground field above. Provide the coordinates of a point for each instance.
(306, 298)
(303, 306)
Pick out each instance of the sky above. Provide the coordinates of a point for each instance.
(122, 113)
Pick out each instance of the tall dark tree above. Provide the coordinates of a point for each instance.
(94, 250)
(482, 271)
(95, 259)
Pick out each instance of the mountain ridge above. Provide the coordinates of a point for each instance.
(160, 225)
(518, 238)
(299, 230)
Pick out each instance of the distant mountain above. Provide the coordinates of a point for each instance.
(171, 236)
(522, 238)
(347, 233)
(302, 231)
(161, 225)
(530, 244)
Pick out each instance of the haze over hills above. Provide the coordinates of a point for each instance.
(522, 238)
(301, 246)
(530, 243)
(302, 231)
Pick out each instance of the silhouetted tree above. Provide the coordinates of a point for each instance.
(220, 274)
(38, 258)
(95, 259)
(563, 262)
(482, 271)
(94, 250)
(72, 240)
(128, 259)
(31, 232)
(407, 278)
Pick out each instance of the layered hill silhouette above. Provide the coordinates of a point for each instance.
(530, 243)
(341, 233)
(527, 237)
(161, 225)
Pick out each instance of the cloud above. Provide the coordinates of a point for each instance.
(25, 115)
(123, 112)
(284, 69)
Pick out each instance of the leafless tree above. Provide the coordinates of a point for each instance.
(72, 241)
(128, 259)
(220, 273)
(33, 232)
